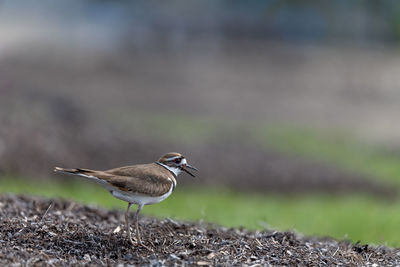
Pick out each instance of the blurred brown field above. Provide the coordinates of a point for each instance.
(68, 99)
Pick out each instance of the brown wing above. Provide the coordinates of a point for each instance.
(154, 179)
(149, 179)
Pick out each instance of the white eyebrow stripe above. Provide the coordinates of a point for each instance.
(172, 158)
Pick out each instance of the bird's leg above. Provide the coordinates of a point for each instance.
(137, 224)
(128, 229)
(139, 241)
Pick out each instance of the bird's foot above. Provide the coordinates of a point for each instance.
(146, 247)
(140, 243)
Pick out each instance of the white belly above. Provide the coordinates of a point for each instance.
(139, 198)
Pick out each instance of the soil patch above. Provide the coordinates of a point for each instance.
(35, 231)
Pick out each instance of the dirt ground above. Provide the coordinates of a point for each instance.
(36, 231)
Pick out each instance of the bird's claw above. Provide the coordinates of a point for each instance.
(146, 247)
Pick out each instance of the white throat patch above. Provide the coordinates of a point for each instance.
(174, 170)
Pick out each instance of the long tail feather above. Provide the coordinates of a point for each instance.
(86, 173)
(71, 171)
(77, 171)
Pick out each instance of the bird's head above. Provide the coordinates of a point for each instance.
(176, 163)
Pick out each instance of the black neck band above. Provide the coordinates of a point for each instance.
(165, 167)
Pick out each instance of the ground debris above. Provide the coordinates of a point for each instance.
(35, 231)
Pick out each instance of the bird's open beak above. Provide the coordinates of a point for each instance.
(186, 167)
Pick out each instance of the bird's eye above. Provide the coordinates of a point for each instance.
(177, 160)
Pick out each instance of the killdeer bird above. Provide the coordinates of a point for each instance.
(142, 184)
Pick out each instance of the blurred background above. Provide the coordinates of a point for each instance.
(288, 108)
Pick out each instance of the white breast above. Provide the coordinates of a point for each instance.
(139, 199)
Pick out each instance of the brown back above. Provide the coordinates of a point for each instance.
(149, 179)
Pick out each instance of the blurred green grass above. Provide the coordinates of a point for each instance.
(356, 217)
(337, 148)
